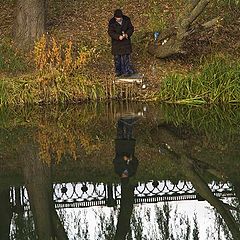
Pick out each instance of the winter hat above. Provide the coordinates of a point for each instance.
(118, 13)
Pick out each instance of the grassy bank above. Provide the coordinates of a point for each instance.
(31, 91)
(64, 76)
(56, 88)
(216, 82)
(61, 73)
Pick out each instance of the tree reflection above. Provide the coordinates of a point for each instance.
(39, 186)
(5, 212)
(51, 138)
(163, 222)
(126, 208)
(193, 170)
(22, 226)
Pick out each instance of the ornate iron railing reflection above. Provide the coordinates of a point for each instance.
(85, 194)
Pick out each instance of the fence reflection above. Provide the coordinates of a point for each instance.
(86, 194)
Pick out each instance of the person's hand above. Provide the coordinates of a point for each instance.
(124, 35)
(121, 37)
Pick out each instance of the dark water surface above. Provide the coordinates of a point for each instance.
(120, 171)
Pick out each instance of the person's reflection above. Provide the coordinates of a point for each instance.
(5, 213)
(125, 162)
(125, 165)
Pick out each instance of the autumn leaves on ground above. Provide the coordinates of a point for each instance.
(72, 62)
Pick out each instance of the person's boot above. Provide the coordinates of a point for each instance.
(118, 74)
(127, 74)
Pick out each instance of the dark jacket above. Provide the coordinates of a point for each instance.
(127, 148)
(120, 165)
(120, 47)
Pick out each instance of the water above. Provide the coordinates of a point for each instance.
(63, 174)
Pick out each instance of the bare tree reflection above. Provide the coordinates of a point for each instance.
(193, 170)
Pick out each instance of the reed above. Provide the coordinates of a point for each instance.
(60, 77)
(57, 90)
(217, 82)
(54, 87)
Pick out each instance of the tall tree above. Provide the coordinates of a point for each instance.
(30, 22)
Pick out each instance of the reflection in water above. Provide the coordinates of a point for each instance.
(39, 187)
(125, 162)
(5, 213)
(32, 142)
(194, 169)
(125, 165)
(84, 194)
(126, 208)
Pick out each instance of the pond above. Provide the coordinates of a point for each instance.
(120, 170)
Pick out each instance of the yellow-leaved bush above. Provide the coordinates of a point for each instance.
(50, 54)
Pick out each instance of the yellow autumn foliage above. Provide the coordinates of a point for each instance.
(56, 142)
(49, 54)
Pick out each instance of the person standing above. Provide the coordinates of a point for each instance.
(120, 29)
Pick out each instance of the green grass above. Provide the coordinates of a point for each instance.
(56, 87)
(10, 60)
(20, 91)
(218, 82)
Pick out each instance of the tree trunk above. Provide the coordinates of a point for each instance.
(37, 181)
(170, 41)
(30, 22)
(5, 213)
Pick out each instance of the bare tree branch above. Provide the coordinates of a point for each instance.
(212, 22)
(171, 40)
(194, 14)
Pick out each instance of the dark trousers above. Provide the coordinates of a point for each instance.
(123, 64)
